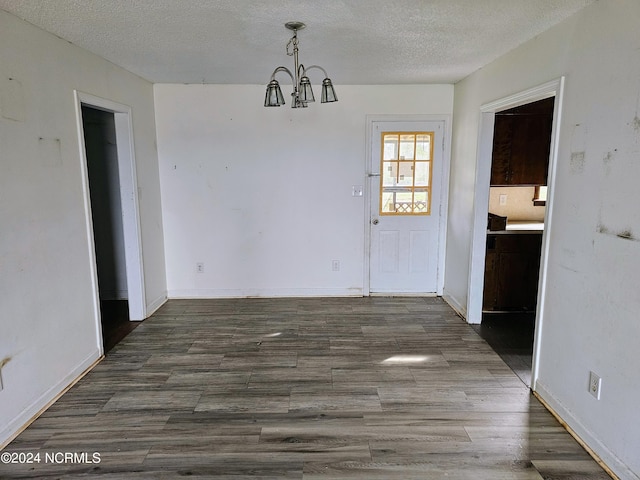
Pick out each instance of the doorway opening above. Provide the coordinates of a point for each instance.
(106, 217)
(517, 159)
(104, 130)
(519, 172)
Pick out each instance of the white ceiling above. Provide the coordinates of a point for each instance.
(242, 41)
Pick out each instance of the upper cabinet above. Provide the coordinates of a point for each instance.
(521, 144)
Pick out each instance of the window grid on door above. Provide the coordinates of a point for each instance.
(406, 163)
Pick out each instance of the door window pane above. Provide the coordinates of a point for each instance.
(387, 205)
(423, 147)
(389, 174)
(405, 174)
(422, 174)
(420, 201)
(404, 202)
(407, 147)
(405, 167)
(390, 147)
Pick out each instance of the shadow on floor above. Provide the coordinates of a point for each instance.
(115, 322)
(511, 336)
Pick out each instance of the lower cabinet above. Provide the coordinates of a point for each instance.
(512, 268)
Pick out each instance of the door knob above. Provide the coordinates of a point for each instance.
(375, 221)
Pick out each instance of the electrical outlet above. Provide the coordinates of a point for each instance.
(335, 265)
(503, 199)
(200, 267)
(356, 191)
(595, 385)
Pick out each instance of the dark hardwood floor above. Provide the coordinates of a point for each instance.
(115, 322)
(326, 388)
(511, 337)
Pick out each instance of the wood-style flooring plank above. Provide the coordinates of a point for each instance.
(303, 388)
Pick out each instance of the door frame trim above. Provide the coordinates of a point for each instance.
(371, 120)
(553, 88)
(129, 202)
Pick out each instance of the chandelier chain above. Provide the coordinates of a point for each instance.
(292, 41)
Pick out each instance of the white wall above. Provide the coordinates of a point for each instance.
(262, 196)
(591, 308)
(48, 331)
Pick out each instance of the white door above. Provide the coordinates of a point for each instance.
(406, 185)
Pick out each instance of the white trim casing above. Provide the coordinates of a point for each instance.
(129, 201)
(444, 191)
(481, 203)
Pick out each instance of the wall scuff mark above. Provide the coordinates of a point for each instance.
(577, 162)
(578, 148)
(624, 234)
(3, 362)
(609, 156)
(607, 161)
(12, 105)
(50, 151)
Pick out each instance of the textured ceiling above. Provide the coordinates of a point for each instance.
(242, 41)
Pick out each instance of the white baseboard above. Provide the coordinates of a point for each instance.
(403, 294)
(156, 304)
(456, 305)
(33, 411)
(584, 436)
(266, 293)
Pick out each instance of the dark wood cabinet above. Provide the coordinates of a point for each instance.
(512, 267)
(521, 144)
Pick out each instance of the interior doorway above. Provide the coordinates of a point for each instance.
(106, 147)
(106, 218)
(519, 173)
(533, 252)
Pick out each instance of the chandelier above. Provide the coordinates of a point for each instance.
(302, 91)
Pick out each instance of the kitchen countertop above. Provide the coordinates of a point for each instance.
(519, 227)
